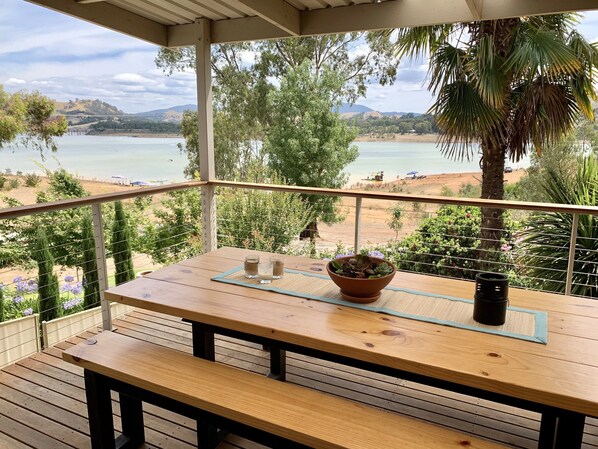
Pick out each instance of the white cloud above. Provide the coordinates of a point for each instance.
(131, 78)
(14, 81)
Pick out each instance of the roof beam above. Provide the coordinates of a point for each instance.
(227, 31)
(475, 6)
(112, 17)
(277, 12)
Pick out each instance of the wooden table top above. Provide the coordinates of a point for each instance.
(562, 373)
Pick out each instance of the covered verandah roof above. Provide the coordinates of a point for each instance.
(170, 23)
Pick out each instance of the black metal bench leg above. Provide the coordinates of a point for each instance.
(131, 412)
(278, 363)
(569, 430)
(203, 342)
(99, 409)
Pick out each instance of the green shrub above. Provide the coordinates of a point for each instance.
(470, 191)
(32, 180)
(446, 191)
(13, 183)
(396, 219)
(3, 181)
(448, 245)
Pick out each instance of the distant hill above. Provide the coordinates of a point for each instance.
(173, 114)
(79, 107)
(347, 110)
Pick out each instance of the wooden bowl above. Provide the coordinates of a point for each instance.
(362, 291)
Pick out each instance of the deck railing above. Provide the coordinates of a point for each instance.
(362, 232)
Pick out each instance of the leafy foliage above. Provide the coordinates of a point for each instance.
(28, 118)
(547, 235)
(48, 292)
(448, 244)
(121, 246)
(260, 220)
(176, 232)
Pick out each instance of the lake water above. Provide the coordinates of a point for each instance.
(152, 159)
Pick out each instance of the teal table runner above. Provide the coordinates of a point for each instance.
(524, 324)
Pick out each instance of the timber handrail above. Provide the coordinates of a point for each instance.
(477, 202)
(14, 212)
(20, 211)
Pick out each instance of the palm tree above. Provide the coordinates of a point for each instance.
(507, 85)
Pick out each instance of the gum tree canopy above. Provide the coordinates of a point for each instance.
(28, 118)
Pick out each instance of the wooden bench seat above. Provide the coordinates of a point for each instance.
(253, 405)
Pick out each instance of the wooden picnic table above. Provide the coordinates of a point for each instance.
(558, 379)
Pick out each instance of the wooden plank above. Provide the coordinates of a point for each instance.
(270, 405)
(55, 433)
(277, 12)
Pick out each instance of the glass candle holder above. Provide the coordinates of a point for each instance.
(277, 267)
(251, 264)
(264, 270)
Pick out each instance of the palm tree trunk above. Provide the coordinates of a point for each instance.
(493, 166)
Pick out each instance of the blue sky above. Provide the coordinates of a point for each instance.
(66, 58)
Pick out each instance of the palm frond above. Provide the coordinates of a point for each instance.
(463, 117)
(446, 66)
(543, 112)
(419, 41)
(485, 67)
(538, 52)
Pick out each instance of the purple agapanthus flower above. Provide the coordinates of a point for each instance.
(72, 303)
(28, 311)
(376, 253)
(32, 288)
(21, 287)
(17, 299)
(350, 253)
(17, 279)
(32, 281)
(65, 288)
(76, 290)
(69, 278)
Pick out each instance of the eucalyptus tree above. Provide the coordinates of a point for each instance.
(509, 85)
(28, 118)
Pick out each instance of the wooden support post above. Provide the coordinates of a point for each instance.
(98, 236)
(205, 131)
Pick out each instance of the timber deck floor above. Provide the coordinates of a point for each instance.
(42, 398)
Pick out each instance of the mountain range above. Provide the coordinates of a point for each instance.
(87, 111)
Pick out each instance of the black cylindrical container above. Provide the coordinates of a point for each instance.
(491, 298)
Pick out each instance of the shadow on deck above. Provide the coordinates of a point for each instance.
(42, 398)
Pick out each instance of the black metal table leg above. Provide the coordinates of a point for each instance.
(569, 430)
(131, 413)
(547, 431)
(203, 341)
(278, 363)
(99, 410)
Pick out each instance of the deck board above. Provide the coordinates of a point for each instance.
(42, 401)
